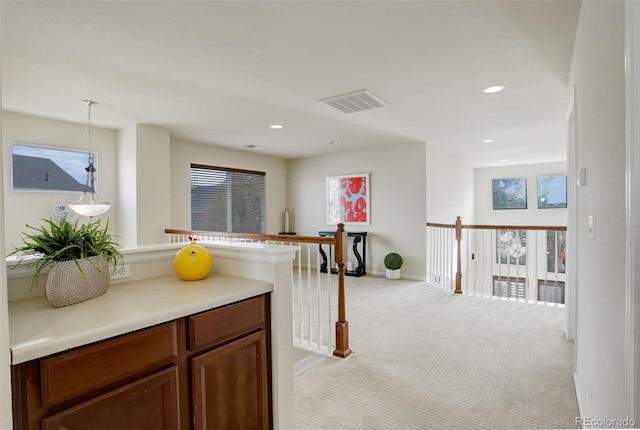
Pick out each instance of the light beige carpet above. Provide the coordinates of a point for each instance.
(427, 359)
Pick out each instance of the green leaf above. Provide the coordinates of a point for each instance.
(64, 241)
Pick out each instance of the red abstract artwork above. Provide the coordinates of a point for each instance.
(348, 199)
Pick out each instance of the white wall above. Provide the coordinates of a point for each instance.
(6, 421)
(30, 207)
(143, 178)
(127, 208)
(184, 153)
(397, 198)
(450, 193)
(632, 36)
(154, 202)
(118, 170)
(484, 213)
(598, 74)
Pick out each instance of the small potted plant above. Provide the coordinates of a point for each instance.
(78, 256)
(393, 263)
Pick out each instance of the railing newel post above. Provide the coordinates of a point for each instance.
(342, 325)
(458, 255)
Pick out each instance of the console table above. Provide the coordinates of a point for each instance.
(358, 238)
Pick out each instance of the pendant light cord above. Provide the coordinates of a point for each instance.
(89, 103)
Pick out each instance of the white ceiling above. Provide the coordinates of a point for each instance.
(220, 72)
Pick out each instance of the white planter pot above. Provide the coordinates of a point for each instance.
(393, 274)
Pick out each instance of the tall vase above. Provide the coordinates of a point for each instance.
(286, 221)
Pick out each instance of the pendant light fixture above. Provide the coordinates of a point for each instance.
(89, 204)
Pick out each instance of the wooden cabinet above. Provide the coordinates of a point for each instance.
(71, 374)
(206, 371)
(230, 386)
(150, 403)
(230, 367)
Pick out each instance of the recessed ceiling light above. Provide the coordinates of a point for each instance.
(333, 142)
(275, 126)
(488, 141)
(504, 161)
(254, 147)
(493, 89)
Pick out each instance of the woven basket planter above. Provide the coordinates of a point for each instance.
(67, 285)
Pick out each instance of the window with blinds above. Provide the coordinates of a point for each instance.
(224, 199)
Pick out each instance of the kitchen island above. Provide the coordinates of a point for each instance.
(174, 339)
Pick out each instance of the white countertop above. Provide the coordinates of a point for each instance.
(38, 330)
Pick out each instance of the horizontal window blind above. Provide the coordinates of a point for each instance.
(225, 199)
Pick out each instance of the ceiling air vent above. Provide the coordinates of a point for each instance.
(354, 102)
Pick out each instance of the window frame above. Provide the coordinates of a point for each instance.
(229, 204)
(82, 156)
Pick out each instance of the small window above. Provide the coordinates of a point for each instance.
(229, 200)
(43, 168)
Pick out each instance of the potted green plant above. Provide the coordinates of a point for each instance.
(78, 256)
(393, 263)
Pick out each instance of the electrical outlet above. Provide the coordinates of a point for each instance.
(121, 271)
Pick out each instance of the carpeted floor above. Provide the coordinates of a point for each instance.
(427, 359)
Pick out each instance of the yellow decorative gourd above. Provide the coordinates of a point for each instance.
(192, 262)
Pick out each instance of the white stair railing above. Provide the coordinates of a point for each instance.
(518, 263)
(315, 294)
(315, 303)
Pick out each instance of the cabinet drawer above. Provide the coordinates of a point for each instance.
(226, 323)
(150, 403)
(71, 374)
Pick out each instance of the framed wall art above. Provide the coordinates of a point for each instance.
(552, 191)
(348, 199)
(509, 193)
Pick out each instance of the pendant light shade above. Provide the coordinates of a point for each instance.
(89, 204)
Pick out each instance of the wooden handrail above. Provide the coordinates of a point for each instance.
(255, 236)
(500, 227)
(340, 243)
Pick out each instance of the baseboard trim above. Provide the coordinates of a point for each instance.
(306, 363)
(403, 277)
(576, 388)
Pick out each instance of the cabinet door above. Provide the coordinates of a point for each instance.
(230, 385)
(150, 403)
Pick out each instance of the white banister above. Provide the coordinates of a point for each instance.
(314, 312)
(314, 316)
(518, 263)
